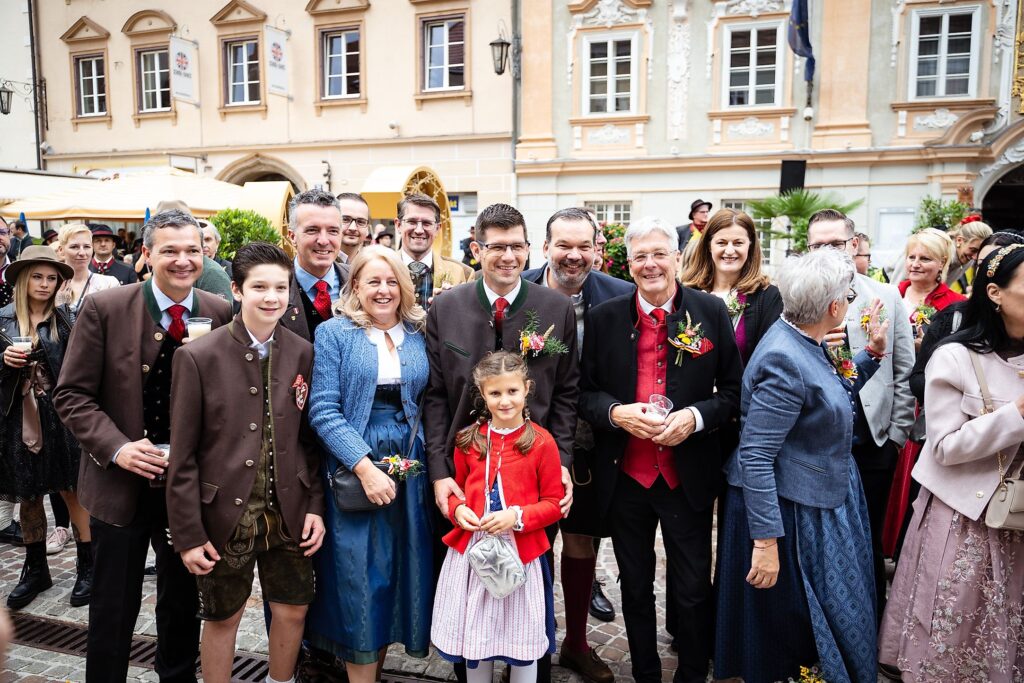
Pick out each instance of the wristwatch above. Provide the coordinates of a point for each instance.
(518, 526)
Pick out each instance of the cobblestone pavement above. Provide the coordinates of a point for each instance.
(28, 665)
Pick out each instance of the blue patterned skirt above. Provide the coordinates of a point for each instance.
(374, 573)
(821, 611)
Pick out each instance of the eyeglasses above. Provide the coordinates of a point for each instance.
(867, 255)
(836, 244)
(657, 257)
(426, 225)
(851, 296)
(349, 220)
(496, 248)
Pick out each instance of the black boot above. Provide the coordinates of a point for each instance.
(35, 576)
(82, 591)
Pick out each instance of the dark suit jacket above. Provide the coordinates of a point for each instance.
(295, 319)
(124, 273)
(763, 309)
(608, 376)
(113, 345)
(216, 398)
(597, 288)
(460, 334)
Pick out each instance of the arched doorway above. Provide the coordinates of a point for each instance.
(1003, 205)
(260, 167)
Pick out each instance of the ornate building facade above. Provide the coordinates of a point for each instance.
(647, 105)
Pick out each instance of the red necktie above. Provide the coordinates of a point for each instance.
(659, 316)
(177, 326)
(322, 301)
(101, 268)
(500, 305)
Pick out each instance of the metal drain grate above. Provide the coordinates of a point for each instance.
(60, 636)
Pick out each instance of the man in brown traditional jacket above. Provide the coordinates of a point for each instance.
(114, 394)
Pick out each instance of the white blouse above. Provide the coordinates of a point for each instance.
(389, 366)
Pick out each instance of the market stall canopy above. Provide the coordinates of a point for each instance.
(127, 197)
(16, 184)
(383, 189)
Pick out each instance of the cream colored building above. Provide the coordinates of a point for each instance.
(17, 128)
(369, 84)
(638, 107)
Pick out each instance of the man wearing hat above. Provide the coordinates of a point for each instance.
(6, 290)
(119, 418)
(699, 212)
(104, 242)
(50, 236)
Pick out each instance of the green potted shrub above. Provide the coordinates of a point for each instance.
(241, 226)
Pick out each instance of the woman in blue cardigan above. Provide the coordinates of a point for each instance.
(374, 572)
(795, 579)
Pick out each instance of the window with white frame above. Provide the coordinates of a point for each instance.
(242, 61)
(611, 212)
(610, 73)
(154, 81)
(92, 85)
(944, 52)
(753, 65)
(444, 54)
(763, 226)
(341, 64)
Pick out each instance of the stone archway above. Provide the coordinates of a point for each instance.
(1003, 204)
(260, 167)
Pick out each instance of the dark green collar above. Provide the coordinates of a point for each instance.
(154, 308)
(514, 306)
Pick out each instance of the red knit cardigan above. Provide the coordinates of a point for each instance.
(532, 481)
(940, 297)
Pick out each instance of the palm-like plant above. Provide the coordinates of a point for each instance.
(799, 205)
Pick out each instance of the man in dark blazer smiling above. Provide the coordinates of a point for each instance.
(653, 469)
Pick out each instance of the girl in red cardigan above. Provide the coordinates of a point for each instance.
(519, 501)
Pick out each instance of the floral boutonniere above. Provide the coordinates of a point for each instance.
(865, 317)
(923, 315)
(690, 338)
(736, 304)
(532, 343)
(442, 279)
(842, 360)
(402, 468)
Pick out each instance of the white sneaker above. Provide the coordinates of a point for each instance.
(58, 538)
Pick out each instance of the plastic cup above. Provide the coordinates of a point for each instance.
(23, 344)
(161, 479)
(197, 327)
(660, 405)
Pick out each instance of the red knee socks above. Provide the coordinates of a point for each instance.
(577, 580)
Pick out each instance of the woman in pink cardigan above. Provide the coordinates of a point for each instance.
(956, 609)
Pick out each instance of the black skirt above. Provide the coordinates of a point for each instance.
(25, 475)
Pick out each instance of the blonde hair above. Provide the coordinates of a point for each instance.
(936, 244)
(349, 305)
(64, 235)
(975, 230)
(22, 310)
(492, 365)
(699, 271)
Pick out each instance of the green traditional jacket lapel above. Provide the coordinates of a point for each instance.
(154, 308)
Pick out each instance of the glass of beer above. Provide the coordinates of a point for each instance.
(197, 327)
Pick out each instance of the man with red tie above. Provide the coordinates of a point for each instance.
(6, 290)
(113, 393)
(664, 469)
(314, 229)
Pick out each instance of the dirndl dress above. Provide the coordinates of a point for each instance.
(821, 611)
(374, 573)
(471, 626)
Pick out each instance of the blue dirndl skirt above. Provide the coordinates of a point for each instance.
(374, 573)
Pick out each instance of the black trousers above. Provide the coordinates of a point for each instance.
(877, 467)
(119, 560)
(636, 513)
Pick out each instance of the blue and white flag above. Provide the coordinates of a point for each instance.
(799, 36)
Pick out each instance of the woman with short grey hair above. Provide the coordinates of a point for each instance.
(795, 578)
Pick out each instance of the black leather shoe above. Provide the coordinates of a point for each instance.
(890, 672)
(12, 534)
(600, 606)
(82, 591)
(35, 577)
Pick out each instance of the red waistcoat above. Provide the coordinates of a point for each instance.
(644, 459)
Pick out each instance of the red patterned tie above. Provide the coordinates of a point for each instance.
(659, 316)
(500, 305)
(177, 326)
(322, 301)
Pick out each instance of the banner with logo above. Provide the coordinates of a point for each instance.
(184, 70)
(275, 43)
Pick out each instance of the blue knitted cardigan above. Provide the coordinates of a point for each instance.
(344, 382)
